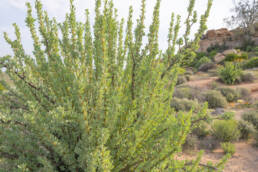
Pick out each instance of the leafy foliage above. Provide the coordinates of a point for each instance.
(246, 129)
(96, 101)
(251, 63)
(226, 130)
(228, 148)
(230, 73)
(215, 99)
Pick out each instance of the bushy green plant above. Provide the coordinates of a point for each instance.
(229, 73)
(251, 63)
(231, 94)
(236, 57)
(228, 148)
(246, 129)
(96, 101)
(252, 117)
(226, 130)
(201, 130)
(256, 139)
(215, 99)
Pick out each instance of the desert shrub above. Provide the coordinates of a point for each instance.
(215, 99)
(209, 143)
(256, 139)
(225, 130)
(244, 93)
(236, 57)
(251, 63)
(95, 97)
(191, 142)
(188, 92)
(252, 117)
(227, 116)
(217, 48)
(181, 79)
(246, 129)
(231, 94)
(228, 148)
(202, 61)
(229, 73)
(201, 130)
(184, 104)
(248, 77)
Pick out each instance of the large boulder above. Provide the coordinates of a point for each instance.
(230, 51)
(219, 57)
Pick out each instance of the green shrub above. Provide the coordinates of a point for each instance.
(203, 60)
(184, 104)
(215, 99)
(217, 48)
(202, 130)
(252, 117)
(252, 63)
(225, 130)
(235, 57)
(228, 116)
(231, 95)
(246, 129)
(228, 148)
(230, 73)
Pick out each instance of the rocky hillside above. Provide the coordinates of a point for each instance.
(228, 38)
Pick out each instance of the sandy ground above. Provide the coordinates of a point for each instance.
(246, 157)
(244, 160)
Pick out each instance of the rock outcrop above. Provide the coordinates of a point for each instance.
(230, 39)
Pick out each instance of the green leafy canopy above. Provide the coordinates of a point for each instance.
(96, 99)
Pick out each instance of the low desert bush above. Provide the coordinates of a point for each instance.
(187, 92)
(256, 139)
(209, 143)
(215, 99)
(248, 77)
(228, 116)
(184, 104)
(235, 57)
(252, 117)
(202, 130)
(190, 142)
(246, 129)
(228, 148)
(231, 95)
(181, 79)
(230, 73)
(225, 130)
(244, 93)
(252, 63)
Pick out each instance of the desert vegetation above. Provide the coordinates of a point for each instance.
(94, 97)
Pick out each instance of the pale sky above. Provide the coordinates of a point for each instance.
(14, 11)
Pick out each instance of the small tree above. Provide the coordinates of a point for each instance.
(96, 102)
(245, 14)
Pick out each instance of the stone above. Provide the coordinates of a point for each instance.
(230, 51)
(207, 66)
(219, 57)
(218, 111)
